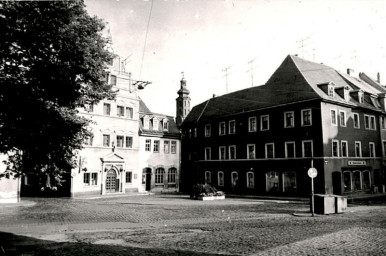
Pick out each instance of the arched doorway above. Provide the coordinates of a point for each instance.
(111, 181)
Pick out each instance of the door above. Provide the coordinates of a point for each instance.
(111, 179)
(147, 172)
(337, 183)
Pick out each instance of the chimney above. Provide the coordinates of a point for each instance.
(378, 77)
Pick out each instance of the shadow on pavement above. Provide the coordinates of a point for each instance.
(11, 244)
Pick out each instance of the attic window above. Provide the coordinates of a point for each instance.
(165, 124)
(360, 97)
(155, 124)
(146, 122)
(331, 91)
(346, 93)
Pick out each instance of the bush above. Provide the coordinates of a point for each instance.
(204, 190)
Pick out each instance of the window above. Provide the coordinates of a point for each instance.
(289, 181)
(166, 147)
(335, 148)
(382, 121)
(173, 148)
(155, 124)
(264, 123)
(148, 145)
(347, 182)
(129, 142)
(372, 123)
(307, 148)
(94, 178)
(208, 178)
(88, 141)
(234, 179)
(86, 179)
(120, 141)
(344, 148)
(272, 182)
(289, 149)
(269, 150)
(89, 107)
(384, 147)
(129, 112)
(146, 122)
(289, 119)
(356, 176)
(251, 153)
(372, 149)
(306, 117)
(159, 176)
(129, 177)
(120, 111)
(331, 91)
(113, 80)
(360, 97)
(333, 117)
(250, 180)
(342, 118)
(252, 124)
(232, 152)
(195, 132)
(356, 121)
(165, 124)
(367, 122)
(208, 155)
(221, 128)
(106, 109)
(156, 146)
(232, 127)
(207, 130)
(221, 153)
(106, 140)
(190, 133)
(366, 180)
(220, 179)
(172, 174)
(358, 149)
(346, 93)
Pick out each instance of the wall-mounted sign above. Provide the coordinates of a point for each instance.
(356, 162)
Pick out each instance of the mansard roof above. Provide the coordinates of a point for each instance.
(144, 111)
(295, 80)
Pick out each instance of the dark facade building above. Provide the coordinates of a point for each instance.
(263, 140)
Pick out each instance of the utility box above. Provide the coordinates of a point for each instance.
(324, 204)
(340, 204)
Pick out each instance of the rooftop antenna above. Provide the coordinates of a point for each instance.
(226, 78)
(302, 44)
(251, 70)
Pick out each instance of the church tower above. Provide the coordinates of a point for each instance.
(183, 102)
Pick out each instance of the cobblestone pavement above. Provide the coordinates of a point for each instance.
(174, 224)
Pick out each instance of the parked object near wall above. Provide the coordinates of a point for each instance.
(330, 204)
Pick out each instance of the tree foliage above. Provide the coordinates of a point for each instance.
(53, 61)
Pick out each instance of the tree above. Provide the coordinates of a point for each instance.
(53, 61)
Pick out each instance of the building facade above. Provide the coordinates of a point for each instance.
(160, 151)
(263, 140)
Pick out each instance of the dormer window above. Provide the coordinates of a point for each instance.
(155, 124)
(346, 93)
(331, 90)
(165, 124)
(146, 122)
(360, 96)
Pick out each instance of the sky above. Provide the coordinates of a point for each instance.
(224, 46)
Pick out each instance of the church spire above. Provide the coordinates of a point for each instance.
(183, 101)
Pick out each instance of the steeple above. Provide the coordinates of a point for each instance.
(183, 102)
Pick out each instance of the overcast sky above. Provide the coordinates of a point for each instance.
(204, 37)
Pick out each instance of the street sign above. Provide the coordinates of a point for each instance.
(312, 172)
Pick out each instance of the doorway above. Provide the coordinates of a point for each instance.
(147, 174)
(337, 183)
(111, 181)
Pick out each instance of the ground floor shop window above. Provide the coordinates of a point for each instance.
(356, 180)
(289, 181)
(208, 177)
(234, 179)
(250, 180)
(220, 179)
(272, 181)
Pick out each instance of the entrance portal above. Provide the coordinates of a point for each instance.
(111, 180)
